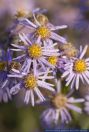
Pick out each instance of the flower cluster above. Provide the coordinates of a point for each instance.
(38, 62)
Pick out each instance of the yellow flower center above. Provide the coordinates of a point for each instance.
(59, 101)
(44, 32)
(30, 81)
(80, 66)
(53, 60)
(35, 51)
(2, 65)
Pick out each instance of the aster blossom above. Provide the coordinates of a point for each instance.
(36, 54)
(32, 83)
(43, 31)
(77, 68)
(59, 106)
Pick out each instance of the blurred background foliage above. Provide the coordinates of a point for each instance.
(15, 116)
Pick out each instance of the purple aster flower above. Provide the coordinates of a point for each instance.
(17, 27)
(32, 83)
(77, 68)
(59, 106)
(44, 32)
(36, 54)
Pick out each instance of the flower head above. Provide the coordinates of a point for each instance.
(59, 101)
(77, 68)
(43, 30)
(32, 83)
(35, 51)
(59, 107)
(36, 54)
(53, 60)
